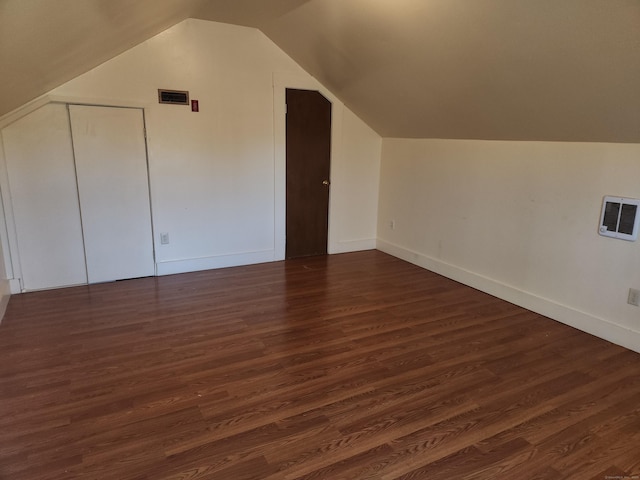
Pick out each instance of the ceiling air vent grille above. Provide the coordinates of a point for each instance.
(174, 97)
(620, 218)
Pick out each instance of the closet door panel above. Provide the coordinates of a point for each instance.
(113, 185)
(44, 199)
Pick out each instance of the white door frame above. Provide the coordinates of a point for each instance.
(282, 81)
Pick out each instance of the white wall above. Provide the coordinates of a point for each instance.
(213, 173)
(518, 220)
(355, 182)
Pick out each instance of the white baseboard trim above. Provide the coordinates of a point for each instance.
(172, 267)
(15, 286)
(3, 305)
(353, 246)
(6, 296)
(605, 329)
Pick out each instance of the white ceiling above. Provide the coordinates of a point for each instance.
(559, 70)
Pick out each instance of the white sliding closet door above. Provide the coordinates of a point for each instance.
(113, 186)
(44, 199)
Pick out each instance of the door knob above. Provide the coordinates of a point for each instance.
(325, 182)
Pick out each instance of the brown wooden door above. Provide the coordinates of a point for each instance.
(308, 164)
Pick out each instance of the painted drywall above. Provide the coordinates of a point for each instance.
(213, 173)
(355, 181)
(520, 221)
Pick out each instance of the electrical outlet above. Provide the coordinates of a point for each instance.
(634, 297)
(164, 238)
(392, 224)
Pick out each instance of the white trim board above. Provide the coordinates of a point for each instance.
(171, 267)
(33, 105)
(347, 246)
(585, 322)
(4, 299)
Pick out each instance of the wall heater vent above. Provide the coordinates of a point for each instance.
(174, 97)
(620, 218)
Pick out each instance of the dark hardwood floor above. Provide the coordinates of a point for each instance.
(355, 366)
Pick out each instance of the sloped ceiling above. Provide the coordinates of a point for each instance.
(44, 43)
(559, 70)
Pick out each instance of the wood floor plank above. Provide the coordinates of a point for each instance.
(354, 366)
